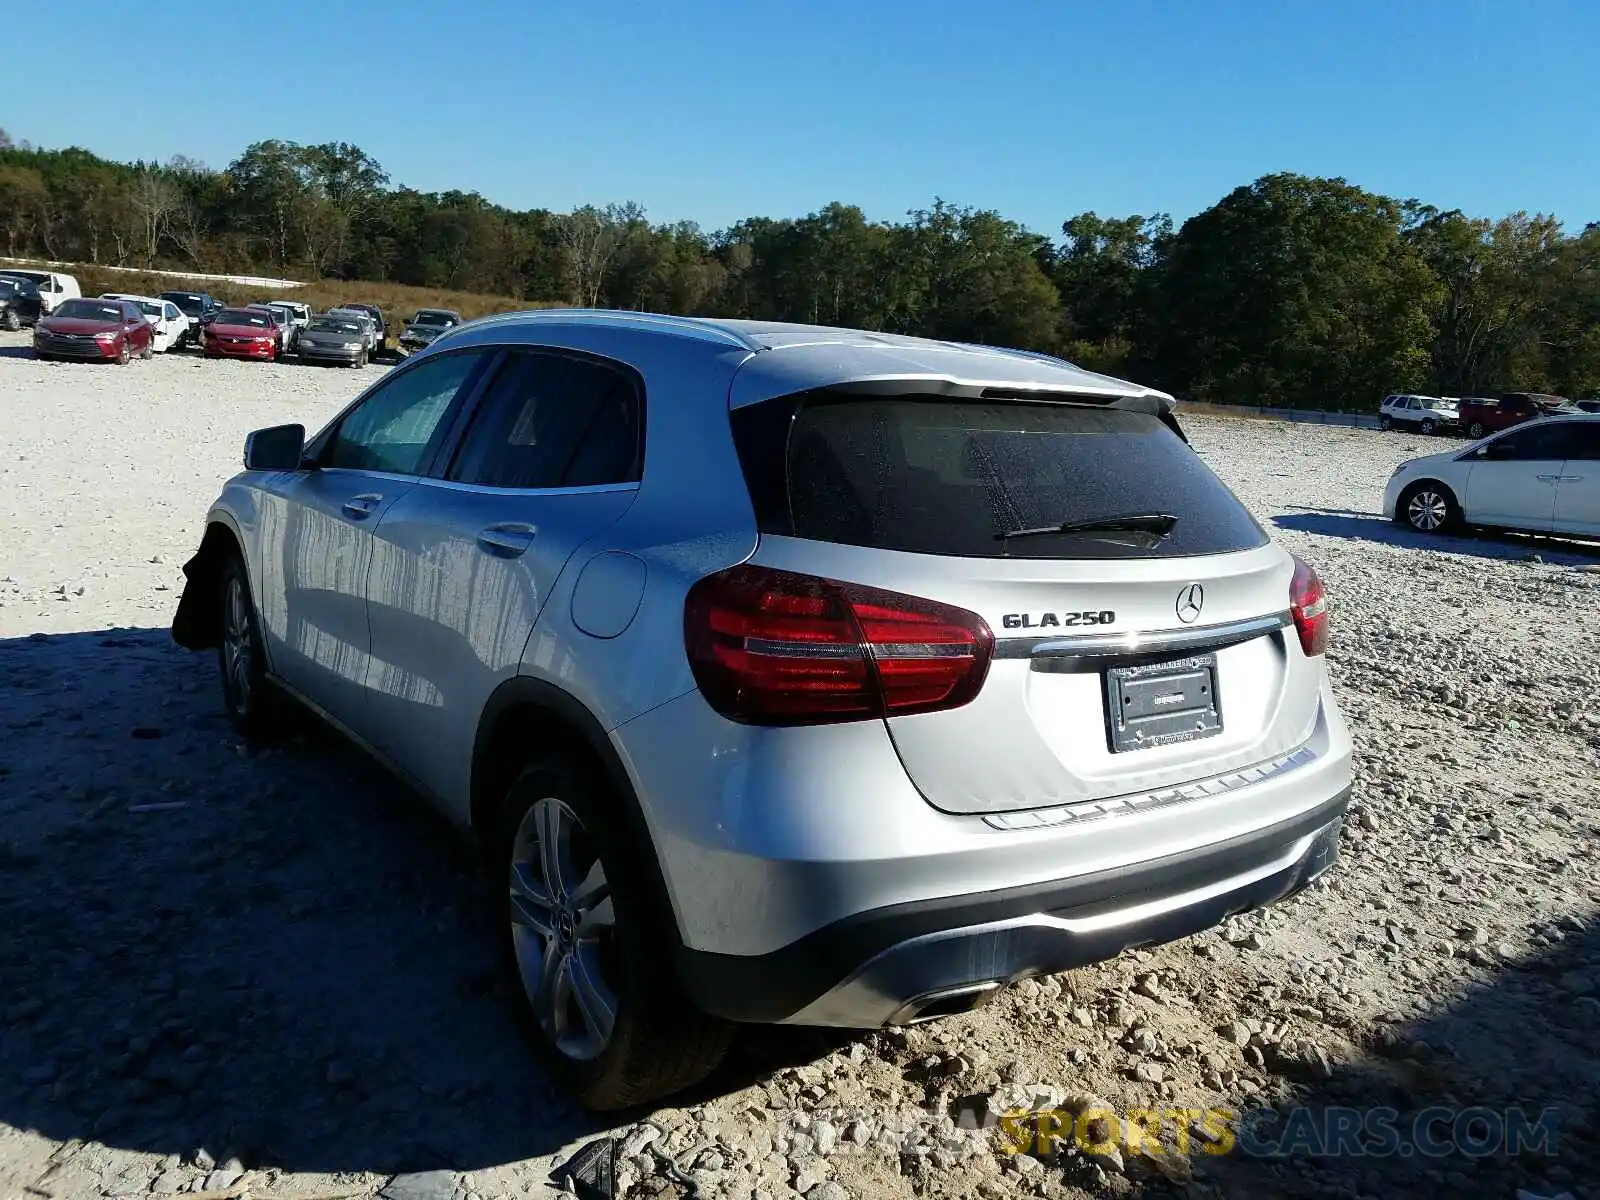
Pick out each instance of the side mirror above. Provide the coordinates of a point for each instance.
(276, 449)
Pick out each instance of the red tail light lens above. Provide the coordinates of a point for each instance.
(771, 647)
(1308, 602)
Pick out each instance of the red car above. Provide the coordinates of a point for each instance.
(241, 333)
(96, 330)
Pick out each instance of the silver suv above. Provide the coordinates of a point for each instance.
(786, 674)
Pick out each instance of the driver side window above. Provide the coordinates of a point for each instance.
(1544, 443)
(394, 427)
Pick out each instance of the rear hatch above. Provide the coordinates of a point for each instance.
(1153, 653)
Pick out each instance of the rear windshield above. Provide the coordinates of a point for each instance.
(932, 475)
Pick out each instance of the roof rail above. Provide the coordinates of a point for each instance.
(695, 326)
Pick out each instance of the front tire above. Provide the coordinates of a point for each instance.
(1385, 423)
(124, 355)
(592, 982)
(1428, 507)
(1429, 427)
(252, 703)
(1475, 430)
(149, 350)
(11, 322)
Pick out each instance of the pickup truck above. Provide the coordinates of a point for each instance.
(1480, 416)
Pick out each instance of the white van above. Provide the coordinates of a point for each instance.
(53, 287)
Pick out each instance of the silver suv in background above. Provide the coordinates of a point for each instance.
(786, 674)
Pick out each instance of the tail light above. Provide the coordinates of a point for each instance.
(772, 647)
(1308, 603)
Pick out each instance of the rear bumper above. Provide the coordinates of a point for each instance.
(921, 960)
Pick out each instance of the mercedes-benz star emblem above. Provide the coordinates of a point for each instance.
(1190, 601)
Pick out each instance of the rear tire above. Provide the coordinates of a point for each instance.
(610, 1022)
(1475, 430)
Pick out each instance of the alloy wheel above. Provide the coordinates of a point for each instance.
(237, 645)
(1427, 511)
(563, 925)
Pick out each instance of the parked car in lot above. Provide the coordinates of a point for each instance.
(335, 338)
(1543, 476)
(20, 303)
(100, 330)
(1479, 416)
(1588, 406)
(425, 325)
(54, 287)
(1423, 414)
(759, 702)
(289, 317)
(280, 325)
(242, 333)
(369, 325)
(381, 326)
(199, 308)
(165, 317)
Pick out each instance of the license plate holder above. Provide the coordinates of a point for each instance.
(1162, 704)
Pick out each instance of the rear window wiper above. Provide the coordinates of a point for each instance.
(1148, 529)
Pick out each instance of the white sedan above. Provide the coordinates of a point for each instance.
(168, 319)
(1540, 477)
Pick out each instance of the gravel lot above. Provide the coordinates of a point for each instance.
(228, 973)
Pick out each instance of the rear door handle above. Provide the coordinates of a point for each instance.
(506, 541)
(360, 507)
(1571, 478)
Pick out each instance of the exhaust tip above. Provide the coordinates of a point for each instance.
(945, 1002)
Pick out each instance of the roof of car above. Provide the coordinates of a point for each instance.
(129, 296)
(789, 357)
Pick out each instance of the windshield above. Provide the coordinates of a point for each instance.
(334, 325)
(429, 317)
(149, 309)
(238, 316)
(10, 287)
(90, 310)
(190, 304)
(1436, 404)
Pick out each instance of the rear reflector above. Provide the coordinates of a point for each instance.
(772, 647)
(1308, 603)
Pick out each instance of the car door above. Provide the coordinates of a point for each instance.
(1514, 476)
(316, 530)
(1578, 491)
(464, 561)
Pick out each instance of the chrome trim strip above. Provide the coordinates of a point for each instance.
(1094, 810)
(452, 485)
(1116, 645)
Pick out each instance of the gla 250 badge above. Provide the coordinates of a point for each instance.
(1065, 620)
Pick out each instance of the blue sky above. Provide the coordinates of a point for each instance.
(712, 110)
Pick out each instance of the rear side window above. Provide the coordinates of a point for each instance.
(550, 421)
(932, 475)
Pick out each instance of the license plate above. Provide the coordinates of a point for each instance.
(1159, 704)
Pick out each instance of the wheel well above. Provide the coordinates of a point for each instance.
(526, 718)
(198, 624)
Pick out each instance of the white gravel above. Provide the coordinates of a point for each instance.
(225, 972)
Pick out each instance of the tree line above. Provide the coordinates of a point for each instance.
(1291, 290)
